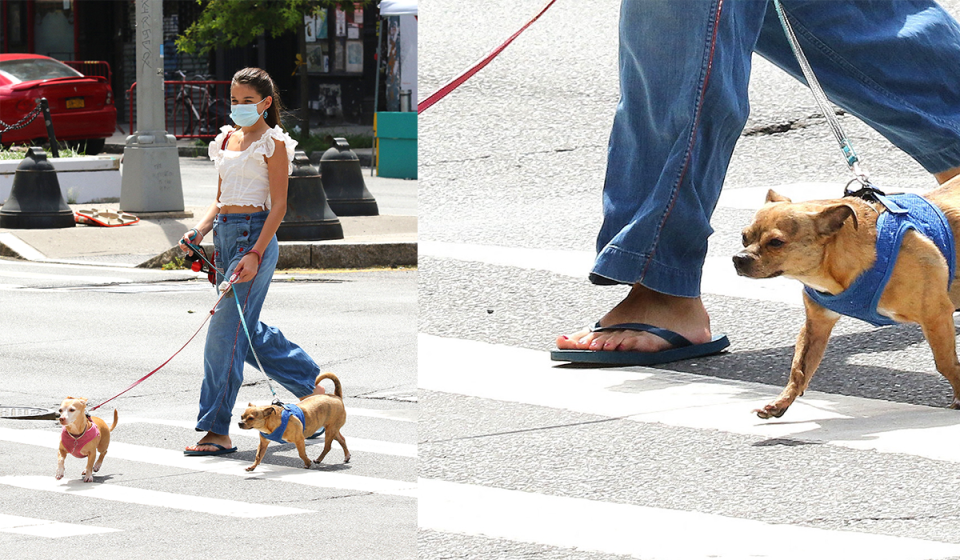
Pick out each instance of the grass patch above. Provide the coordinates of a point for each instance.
(20, 152)
(178, 263)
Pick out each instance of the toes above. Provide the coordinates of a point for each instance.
(770, 411)
(573, 341)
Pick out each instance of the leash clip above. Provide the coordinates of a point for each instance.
(277, 402)
(871, 193)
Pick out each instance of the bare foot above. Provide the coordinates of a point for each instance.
(318, 390)
(685, 316)
(211, 438)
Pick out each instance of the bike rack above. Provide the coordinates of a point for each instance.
(196, 97)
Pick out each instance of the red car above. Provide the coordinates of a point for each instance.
(81, 107)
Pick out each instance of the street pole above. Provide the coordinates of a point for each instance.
(304, 84)
(151, 167)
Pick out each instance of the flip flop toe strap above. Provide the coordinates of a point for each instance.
(677, 340)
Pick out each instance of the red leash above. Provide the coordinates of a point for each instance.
(455, 83)
(139, 381)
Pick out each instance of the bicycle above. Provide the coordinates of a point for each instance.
(207, 114)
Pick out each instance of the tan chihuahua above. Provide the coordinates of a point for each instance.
(82, 436)
(283, 424)
(827, 245)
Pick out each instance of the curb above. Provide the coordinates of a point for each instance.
(298, 254)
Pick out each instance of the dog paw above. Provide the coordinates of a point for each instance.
(770, 411)
(88, 478)
(955, 404)
(307, 465)
(346, 459)
(251, 468)
(58, 476)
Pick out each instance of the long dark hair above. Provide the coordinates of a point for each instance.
(263, 84)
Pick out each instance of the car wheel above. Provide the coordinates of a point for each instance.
(90, 146)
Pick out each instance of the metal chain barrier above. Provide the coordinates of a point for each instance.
(22, 123)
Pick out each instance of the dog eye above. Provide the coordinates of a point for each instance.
(775, 242)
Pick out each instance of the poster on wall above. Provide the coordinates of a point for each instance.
(310, 28)
(355, 56)
(318, 58)
(321, 18)
(353, 32)
(358, 14)
(341, 22)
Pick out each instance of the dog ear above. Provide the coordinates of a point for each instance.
(773, 196)
(268, 411)
(832, 218)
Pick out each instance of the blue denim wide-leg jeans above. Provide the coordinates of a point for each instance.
(227, 347)
(684, 71)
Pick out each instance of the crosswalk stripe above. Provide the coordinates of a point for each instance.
(691, 401)
(140, 496)
(645, 532)
(719, 276)
(353, 443)
(224, 465)
(44, 528)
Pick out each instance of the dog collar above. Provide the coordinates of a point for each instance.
(74, 444)
(860, 299)
(288, 409)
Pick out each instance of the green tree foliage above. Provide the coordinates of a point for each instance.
(232, 23)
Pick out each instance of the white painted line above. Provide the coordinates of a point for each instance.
(398, 415)
(719, 276)
(692, 401)
(314, 477)
(752, 198)
(21, 248)
(567, 263)
(130, 495)
(353, 443)
(44, 528)
(645, 532)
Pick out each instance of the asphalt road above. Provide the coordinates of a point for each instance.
(511, 167)
(92, 331)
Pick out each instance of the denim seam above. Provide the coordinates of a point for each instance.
(865, 79)
(701, 93)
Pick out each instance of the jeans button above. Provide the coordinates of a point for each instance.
(244, 234)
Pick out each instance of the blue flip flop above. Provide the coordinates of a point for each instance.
(682, 349)
(220, 450)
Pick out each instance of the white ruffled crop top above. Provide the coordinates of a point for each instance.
(243, 174)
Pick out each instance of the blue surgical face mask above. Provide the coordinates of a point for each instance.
(246, 115)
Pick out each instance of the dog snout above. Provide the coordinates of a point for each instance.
(743, 262)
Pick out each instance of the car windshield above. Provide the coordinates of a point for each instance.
(28, 69)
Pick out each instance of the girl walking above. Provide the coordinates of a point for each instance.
(254, 159)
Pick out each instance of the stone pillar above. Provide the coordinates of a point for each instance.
(151, 166)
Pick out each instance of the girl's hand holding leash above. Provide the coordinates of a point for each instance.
(248, 266)
(193, 236)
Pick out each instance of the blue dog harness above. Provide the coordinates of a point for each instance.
(905, 212)
(288, 409)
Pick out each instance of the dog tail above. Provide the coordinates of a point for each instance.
(337, 390)
(114, 420)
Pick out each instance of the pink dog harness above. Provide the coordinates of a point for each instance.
(73, 444)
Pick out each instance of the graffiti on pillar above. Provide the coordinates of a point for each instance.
(393, 64)
(145, 32)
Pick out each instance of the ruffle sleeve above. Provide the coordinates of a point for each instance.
(213, 150)
(265, 146)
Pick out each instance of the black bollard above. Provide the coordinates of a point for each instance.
(35, 201)
(343, 182)
(308, 217)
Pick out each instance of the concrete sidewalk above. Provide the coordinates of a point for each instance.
(387, 240)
